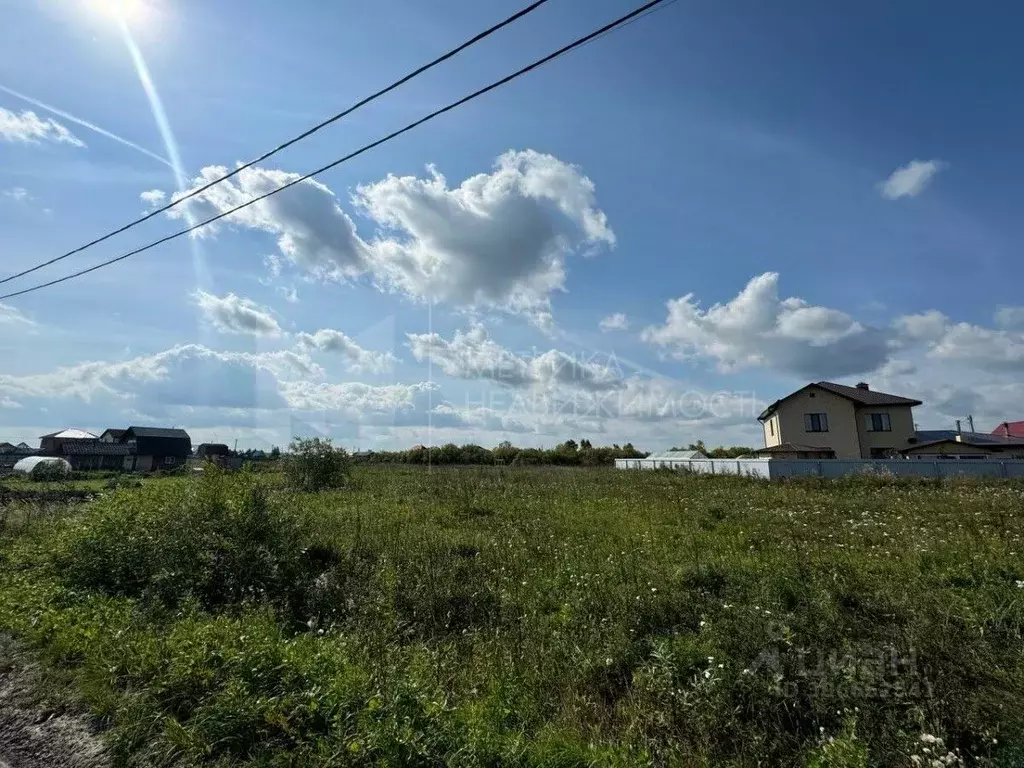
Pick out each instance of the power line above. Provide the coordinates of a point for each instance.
(306, 134)
(622, 20)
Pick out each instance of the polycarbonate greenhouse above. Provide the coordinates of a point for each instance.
(29, 464)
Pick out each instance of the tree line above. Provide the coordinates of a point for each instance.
(569, 453)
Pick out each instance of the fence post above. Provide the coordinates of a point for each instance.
(820, 469)
(739, 471)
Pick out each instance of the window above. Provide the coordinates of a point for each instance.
(816, 422)
(877, 422)
(771, 427)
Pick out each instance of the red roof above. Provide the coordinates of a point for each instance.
(1010, 429)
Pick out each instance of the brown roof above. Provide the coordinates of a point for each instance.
(856, 394)
(866, 396)
(794, 448)
(98, 449)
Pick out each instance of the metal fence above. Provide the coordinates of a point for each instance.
(775, 469)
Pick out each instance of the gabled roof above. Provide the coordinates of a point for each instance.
(1014, 428)
(117, 434)
(73, 434)
(866, 396)
(179, 434)
(857, 395)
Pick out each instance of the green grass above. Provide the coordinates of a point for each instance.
(535, 617)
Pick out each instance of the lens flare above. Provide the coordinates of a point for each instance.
(119, 10)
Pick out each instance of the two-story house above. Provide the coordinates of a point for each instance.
(826, 419)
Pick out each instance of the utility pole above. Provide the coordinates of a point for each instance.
(970, 422)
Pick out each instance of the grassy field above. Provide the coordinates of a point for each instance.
(534, 617)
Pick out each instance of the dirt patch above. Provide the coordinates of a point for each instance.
(35, 734)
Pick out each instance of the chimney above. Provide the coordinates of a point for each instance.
(958, 426)
(1006, 429)
(862, 385)
(970, 423)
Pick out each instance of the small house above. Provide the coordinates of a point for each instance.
(113, 436)
(53, 444)
(154, 448)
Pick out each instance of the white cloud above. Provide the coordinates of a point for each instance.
(1010, 318)
(756, 328)
(235, 314)
(27, 127)
(359, 360)
(18, 194)
(474, 355)
(311, 229)
(615, 322)
(154, 198)
(11, 316)
(911, 179)
(497, 241)
(990, 349)
(185, 374)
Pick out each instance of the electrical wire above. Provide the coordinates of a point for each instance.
(621, 21)
(306, 134)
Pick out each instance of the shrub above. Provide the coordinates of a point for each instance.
(314, 464)
(50, 472)
(218, 540)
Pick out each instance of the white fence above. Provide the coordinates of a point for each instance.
(774, 469)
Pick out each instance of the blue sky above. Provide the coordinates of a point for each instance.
(749, 195)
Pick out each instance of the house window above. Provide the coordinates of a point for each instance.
(816, 422)
(877, 422)
(771, 427)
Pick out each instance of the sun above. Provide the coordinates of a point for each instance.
(118, 10)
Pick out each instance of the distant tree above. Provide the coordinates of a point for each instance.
(314, 464)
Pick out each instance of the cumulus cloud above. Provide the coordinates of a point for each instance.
(1010, 318)
(498, 240)
(359, 360)
(311, 229)
(28, 128)
(235, 314)
(910, 180)
(615, 322)
(757, 328)
(154, 198)
(474, 355)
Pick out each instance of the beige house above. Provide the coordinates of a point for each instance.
(851, 422)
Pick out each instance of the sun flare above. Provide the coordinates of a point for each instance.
(118, 10)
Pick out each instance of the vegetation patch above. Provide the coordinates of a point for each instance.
(589, 617)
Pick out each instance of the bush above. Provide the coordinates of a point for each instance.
(217, 540)
(50, 472)
(314, 464)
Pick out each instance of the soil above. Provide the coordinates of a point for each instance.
(36, 734)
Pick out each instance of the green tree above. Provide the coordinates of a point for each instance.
(314, 464)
